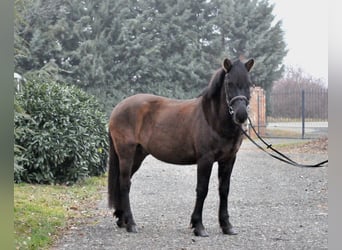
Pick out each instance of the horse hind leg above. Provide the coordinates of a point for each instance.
(130, 160)
(126, 219)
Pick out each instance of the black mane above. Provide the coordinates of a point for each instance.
(214, 85)
(217, 79)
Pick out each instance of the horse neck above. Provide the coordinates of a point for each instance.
(216, 113)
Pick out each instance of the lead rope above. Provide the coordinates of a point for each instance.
(280, 155)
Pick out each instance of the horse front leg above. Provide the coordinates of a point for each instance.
(203, 176)
(224, 174)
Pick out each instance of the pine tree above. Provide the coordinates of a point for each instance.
(249, 30)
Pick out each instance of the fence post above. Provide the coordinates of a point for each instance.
(303, 114)
(258, 112)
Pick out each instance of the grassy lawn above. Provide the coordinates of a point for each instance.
(283, 133)
(42, 212)
(280, 133)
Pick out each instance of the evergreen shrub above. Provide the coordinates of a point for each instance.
(60, 133)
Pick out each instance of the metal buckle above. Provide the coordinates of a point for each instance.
(230, 110)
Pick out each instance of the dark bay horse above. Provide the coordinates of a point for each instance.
(199, 131)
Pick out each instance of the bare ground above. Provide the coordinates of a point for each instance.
(318, 146)
(272, 205)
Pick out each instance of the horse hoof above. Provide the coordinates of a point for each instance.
(131, 228)
(201, 233)
(121, 223)
(229, 231)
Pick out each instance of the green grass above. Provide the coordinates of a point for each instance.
(43, 212)
(290, 145)
(283, 133)
(286, 119)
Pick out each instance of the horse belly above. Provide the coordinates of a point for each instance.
(174, 157)
(171, 146)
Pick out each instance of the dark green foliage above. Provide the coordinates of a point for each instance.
(250, 31)
(60, 133)
(116, 48)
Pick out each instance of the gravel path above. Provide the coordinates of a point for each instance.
(272, 206)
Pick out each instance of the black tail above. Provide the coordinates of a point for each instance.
(113, 176)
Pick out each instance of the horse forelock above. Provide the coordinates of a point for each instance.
(239, 74)
(239, 67)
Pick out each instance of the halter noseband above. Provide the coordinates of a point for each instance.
(230, 103)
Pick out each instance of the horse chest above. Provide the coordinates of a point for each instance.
(228, 149)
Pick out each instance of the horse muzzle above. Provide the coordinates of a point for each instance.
(238, 109)
(241, 115)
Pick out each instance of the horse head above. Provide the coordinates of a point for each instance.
(237, 88)
(229, 90)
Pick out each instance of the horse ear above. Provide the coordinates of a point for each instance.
(249, 64)
(227, 65)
